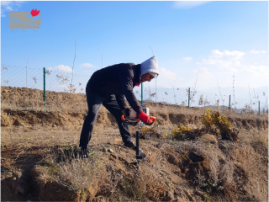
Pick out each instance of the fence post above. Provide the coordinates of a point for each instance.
(230, 102)
(44, 86)
(189, 94)
(259, 108)
(141, 93)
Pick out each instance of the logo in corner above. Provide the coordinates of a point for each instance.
(25, 20)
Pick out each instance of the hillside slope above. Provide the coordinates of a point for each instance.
(39, 155)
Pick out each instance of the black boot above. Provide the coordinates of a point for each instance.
(129, 144)
(84, 152)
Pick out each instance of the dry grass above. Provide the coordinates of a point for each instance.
(209, 139)
(153, 154)
(253, 174)
(32, 99)
(220, 172)
(28, 137)
(225, 159)
(64, 166)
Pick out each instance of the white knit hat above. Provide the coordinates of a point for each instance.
(150, 66)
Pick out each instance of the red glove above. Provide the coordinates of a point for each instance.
(145, 118)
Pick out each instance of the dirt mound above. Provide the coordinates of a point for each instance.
(185, 171)
(199, 166)
(74, 119)
(50, 119)
(25, 107)
(27, 99)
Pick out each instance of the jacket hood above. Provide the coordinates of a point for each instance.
(150, 65)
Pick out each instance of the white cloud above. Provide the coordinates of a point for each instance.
(204, 77)
(87, 65)
(167, 74)
(61, 68)
(188, 4)
(187, 58)
(235, 55)
(166, 78)
(64, 68)
(256, 69)
(226, 59)
(221, 65)
(7, 6)
(203, 72)
(257, 52)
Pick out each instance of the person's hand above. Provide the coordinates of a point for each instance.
(126, 112)
(146, 118)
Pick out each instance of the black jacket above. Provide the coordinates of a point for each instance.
(119, 80)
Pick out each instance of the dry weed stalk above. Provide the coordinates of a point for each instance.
(234, 103)
(222, 99)
(250, 162)
(64, 166)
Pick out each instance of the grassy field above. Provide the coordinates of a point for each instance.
(190, 156)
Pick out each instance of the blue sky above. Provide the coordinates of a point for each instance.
(210, 41)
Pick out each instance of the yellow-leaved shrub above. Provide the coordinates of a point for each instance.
(213, 118)
(179, 131)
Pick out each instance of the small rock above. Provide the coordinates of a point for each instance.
(177, 173)
(220, 188)
(171, 159)
(8, 174)
(201, 194)
(104, 150)
(170, 196)
(14, 178)
(177, 191)
(134, 163)
(99, 199)
(110, 150)
(114, 156)
(111, 158)
(18, 173)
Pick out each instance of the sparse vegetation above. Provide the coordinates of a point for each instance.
(64, 166)
(213, 119)
(184, 146)
(179, 131)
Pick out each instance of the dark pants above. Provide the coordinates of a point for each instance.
(94, 102)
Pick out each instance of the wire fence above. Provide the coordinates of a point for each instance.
(66, 82)
(192, 98)
(32, 78)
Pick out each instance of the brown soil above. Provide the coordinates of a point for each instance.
(200, 167)
(24, 118)
(24, 107)
(172, 171)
